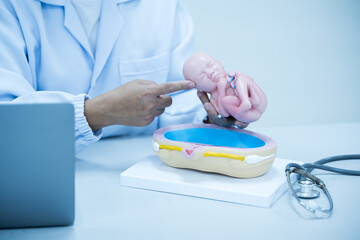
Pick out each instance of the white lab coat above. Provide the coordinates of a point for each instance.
(45, 56)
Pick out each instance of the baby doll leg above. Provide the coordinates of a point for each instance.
(241, 112)
(257, 97)
(242, 103)
(232, 105)
(254, 95)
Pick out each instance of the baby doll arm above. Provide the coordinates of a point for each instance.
(221, 87)
(242, 90)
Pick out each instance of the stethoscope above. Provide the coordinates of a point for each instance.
(307, 182)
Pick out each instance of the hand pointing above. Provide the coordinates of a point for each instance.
(135, 103)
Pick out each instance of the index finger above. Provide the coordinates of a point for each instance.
(169, 87)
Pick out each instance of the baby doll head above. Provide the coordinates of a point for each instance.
(204, 70)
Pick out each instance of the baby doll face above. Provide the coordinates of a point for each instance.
(204, 70)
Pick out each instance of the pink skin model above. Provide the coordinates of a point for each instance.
(234, 94)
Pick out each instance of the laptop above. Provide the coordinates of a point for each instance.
(36, 165)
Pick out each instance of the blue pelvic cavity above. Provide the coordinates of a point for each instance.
(215, 137)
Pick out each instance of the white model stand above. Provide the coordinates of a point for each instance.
(153, 174)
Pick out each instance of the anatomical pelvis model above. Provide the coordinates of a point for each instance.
(206, 147)
(209, 148)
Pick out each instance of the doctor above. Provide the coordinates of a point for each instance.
(115, 60)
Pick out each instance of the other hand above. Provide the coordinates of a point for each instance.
(215, 118)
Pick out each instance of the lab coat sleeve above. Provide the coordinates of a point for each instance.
(186, 107)
(17, 83)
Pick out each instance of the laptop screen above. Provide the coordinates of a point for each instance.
(36, 165)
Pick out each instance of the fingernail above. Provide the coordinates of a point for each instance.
(192, 85)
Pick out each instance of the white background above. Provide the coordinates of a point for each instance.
(305, 54)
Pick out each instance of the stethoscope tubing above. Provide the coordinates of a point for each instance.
(320, 164)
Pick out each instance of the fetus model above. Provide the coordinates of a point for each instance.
(232, 94)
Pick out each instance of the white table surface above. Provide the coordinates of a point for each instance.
(106, 210)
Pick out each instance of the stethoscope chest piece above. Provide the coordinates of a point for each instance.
(306, 190)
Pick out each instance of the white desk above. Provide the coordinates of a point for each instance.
(106, 210)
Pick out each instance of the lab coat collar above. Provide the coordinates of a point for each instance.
(75, 27)
(63, 2)
(111, 23)
(73, 24)
(54, 2)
